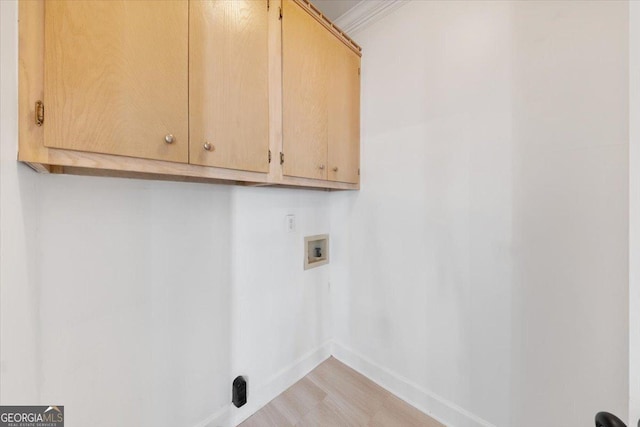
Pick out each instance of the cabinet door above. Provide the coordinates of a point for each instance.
(344, 115)
(229, 84)
(305, 81)
(116, 77)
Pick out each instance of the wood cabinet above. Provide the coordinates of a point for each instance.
(344, 115)
(306, 52)
(321, 100)
(253, 92)
(229, 84)
(116, 77)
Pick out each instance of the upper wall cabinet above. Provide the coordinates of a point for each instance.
(116, 77)
(306, 56)
(321, 99)
(344, 115)
(253, 92)
(229, 84)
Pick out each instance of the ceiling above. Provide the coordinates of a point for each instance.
(333, 9)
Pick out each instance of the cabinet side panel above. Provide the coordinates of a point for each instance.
(31, 82)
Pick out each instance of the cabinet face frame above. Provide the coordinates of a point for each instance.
(33, 152)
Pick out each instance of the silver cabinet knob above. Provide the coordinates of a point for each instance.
(321, 167)
(208, 146)
(169, 139)
(335, 169)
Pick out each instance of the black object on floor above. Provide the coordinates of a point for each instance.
(605, 419)
(240, 392)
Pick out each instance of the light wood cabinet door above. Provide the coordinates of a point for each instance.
(306, 47)
(229, 84)
(116, 77)
(344, 115)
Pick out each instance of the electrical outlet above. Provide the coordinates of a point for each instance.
(290, 223)
(239, 391)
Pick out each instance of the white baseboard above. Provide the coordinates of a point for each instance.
(442, 410)
(230, 416)
(219, 418)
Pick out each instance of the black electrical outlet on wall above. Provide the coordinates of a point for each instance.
(239, 391)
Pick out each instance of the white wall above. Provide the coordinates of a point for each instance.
(146, 297)
(481, 272)
(570, 296)
(634, 214)
(281, 320)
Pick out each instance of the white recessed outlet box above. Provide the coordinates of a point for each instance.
(316, 251)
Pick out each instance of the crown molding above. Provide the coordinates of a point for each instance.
(366, 13)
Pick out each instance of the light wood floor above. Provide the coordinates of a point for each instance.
(335, 395)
